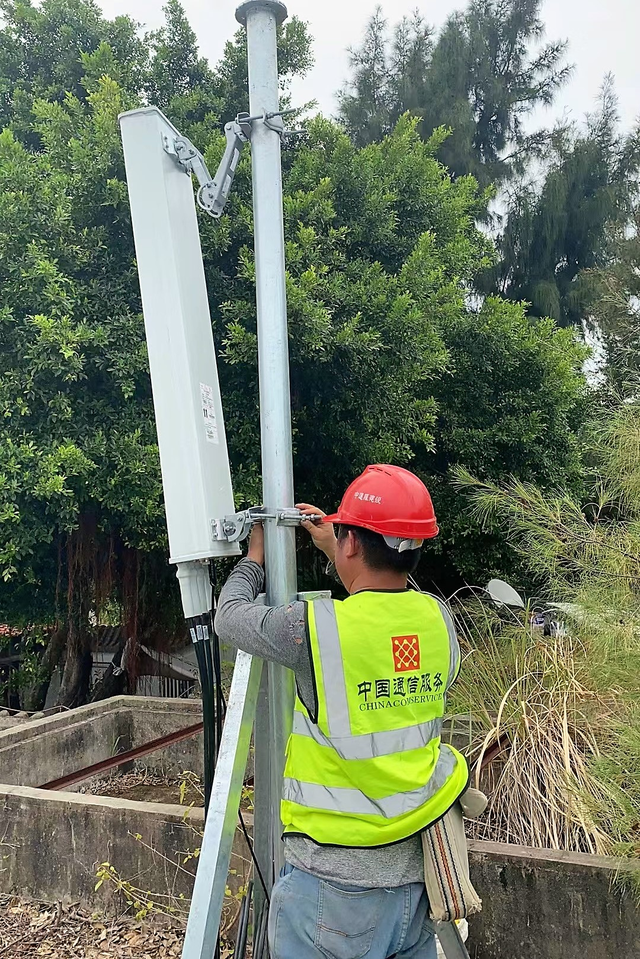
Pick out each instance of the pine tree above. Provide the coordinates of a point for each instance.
(409, 58)
(482, 77)
(495, 46)
(557, 230)
(366, 110)
(615, 312)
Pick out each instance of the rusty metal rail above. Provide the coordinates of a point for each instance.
(87, 772)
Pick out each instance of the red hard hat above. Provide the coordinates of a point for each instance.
(391, 501)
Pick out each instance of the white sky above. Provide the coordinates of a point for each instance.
(603, 37)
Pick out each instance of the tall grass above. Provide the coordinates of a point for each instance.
(530, 696)
(565, 710)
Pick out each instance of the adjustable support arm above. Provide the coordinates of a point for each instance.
(213, 192)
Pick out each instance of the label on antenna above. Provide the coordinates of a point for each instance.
(209, 413)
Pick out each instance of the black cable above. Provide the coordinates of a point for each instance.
(256, 864)
(212, 744)
(215, 743)
(261, 935)
(214, 662)
(217, 664)
(220, 703)
(196, 625)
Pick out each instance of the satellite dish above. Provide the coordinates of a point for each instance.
(504, 595)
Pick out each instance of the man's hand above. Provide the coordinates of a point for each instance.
(322, 534)
(256, 545)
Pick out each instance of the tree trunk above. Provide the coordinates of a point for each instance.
(76, 677)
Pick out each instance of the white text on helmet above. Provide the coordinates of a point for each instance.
(368, 497)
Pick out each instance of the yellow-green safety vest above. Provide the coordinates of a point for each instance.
(370, 769)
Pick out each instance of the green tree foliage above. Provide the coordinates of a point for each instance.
(557, 229)
(382, 246)
(615, 307)
(47, 51)
(78, 455)
(80, 493)
(512, 404)
(481, 77)
(379, 243)
(366, 104)
(294, 59)
(176, 68)
(390, 360)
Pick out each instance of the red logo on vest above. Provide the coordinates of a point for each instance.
(406, 653)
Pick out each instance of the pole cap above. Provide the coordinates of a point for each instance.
(275, 7)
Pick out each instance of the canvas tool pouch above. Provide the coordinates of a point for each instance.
(446, 861)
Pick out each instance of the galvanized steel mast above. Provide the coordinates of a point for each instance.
(274, 716)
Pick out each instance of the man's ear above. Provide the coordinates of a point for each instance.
(353, 545)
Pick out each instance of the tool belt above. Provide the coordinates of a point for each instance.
(446, 861)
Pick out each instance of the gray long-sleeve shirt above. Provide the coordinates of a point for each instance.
(278, 633)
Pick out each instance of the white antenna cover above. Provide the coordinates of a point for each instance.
(504, 595)
(184, 377)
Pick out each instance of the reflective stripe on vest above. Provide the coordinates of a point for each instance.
(370, 745)
(335, 687)
(353, 802)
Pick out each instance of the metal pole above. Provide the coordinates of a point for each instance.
(451, 941)
(273, 722)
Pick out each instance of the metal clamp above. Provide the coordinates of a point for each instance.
(214, 191)
(235, 528)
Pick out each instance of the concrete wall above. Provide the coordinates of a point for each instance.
(153, 718)
(543, 904)
(538, 904)
(44, 749)
(51, 844)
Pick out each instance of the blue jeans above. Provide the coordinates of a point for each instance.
(311, 918)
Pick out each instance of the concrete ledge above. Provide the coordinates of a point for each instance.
(550, 904)
(51, 844)
(45, 749)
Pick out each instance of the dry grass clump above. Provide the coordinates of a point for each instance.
(559, 716)
(536, 722)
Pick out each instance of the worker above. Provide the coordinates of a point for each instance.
(366, 771)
